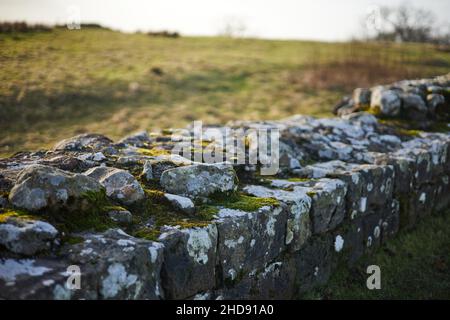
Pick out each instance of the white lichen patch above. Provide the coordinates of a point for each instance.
(117, 280)
(154, 250)
(232, 274)
(48, 282)
(231, 244)
(200, 241)
(369, 241)
(61, 293)
(363, 204)
(86, 252)
(125, 242)
(376, 232)
(316, 271)
(423, 197)
(271, 269)
(10, 269)
(338, 243)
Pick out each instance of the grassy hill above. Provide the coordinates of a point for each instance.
(60, 83)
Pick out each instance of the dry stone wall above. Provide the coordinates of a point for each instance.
(115, 210)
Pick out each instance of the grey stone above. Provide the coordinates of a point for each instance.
(139, 139)
(121, 216)
(298, 205)
(3, 202)
(361, 97)
(27, 237)
(83, 142)
(181, 203)
(199, 180)
(190, 261)
(315, 263)
(414, 102)
(113, 265)
(434, 101)
(147, 170)
(388, 101)
(41, 187)
(328, 204)
(249, 240)
(120, 185)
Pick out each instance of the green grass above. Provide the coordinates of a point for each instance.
(414, 265)
(60, 83)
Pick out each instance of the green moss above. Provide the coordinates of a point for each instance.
(411, 133)
(147, 233)
(375, 110)
(242, 202)
(73, 240)
(206, 212)
(160, 211)
(409, 127)
(155, 195)
(108, 208)
(5, 214)
(92, 215)
(188, 224)
(440, 126)
(299, 179)
(311, 194)
(154, 152)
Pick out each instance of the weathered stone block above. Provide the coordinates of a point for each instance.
(189, 261)
(249, 240)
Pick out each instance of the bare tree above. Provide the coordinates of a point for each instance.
(404, 24)
(233, 27)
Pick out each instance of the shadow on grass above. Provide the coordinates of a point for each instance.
(25, 110)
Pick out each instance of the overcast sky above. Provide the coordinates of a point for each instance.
(282, 19)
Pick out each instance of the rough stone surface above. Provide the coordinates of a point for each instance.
(40, 187)
(27, 236)
(190, 261)
(423, 101)
(113, 265)
(119, 184)
(121, 216)
(181, 203)
(388, 101)
(83, 142)
(199, 180)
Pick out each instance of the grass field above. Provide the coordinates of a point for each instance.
(60, 83)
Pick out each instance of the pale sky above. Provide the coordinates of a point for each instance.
(330, 20)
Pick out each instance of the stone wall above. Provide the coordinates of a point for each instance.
(141, 224)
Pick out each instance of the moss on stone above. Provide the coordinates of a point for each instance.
(154, 152)
(91, 216)
(299, 179)
(374, 110)
(311, 193)
(160, 212)
(206, 211)
(5, 214)
(73, 240)
(147, 233)
(239, 201)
